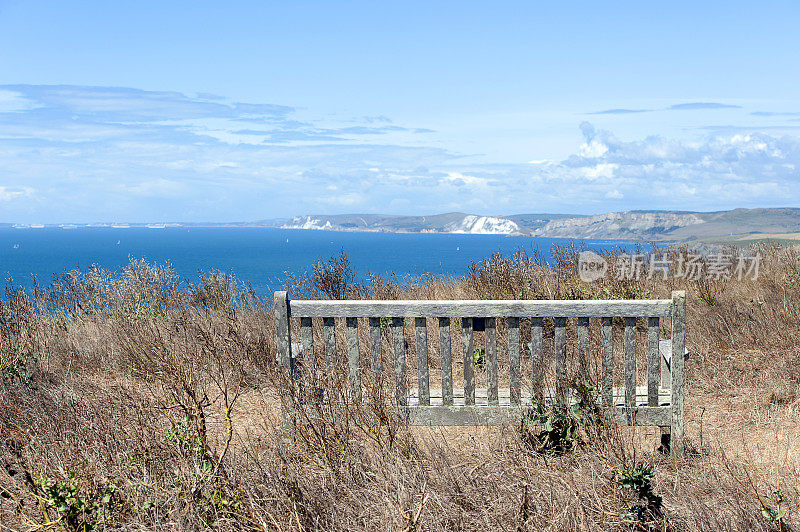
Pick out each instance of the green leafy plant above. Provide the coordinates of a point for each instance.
(558, 428)
(772, 508)
(14, 364)
(78, 513)
(220, 500)
(479, 357)
(648, 508)
(187, 438)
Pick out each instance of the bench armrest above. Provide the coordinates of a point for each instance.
(665, 349)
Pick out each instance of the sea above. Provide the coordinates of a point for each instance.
(263, 257)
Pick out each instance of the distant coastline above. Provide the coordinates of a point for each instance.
(737, 226)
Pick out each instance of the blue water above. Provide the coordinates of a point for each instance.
(260, 256)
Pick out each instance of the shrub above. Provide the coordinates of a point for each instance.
(333, 277)
(647, 512)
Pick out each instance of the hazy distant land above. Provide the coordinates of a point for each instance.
(741, 226)
(738, 225)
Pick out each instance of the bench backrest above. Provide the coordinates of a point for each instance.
(665, 373)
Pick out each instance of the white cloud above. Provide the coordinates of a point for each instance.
(138, 155)
(459, 179)
(600, 171)
(12, 101)
(10, 193)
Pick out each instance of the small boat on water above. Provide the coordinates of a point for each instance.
(156, 226)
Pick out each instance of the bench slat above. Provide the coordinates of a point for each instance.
(472, 308)
(375, 348)
(537, 359)
(423, 383)
(306, 357)
(652, 362)
(513, 360)
(354, 359)
(630, 361)
(490, 339)
(607, 355)
(469, 360)
(447, 360)
(560, 350)
(307, 340)
(329, 332)
(399, 359)
(583, 346)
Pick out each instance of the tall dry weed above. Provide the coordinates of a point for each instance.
(132, 399)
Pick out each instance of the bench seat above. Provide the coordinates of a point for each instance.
(504, 397)
(483, 414)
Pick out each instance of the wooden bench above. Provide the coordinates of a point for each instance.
(659, 403)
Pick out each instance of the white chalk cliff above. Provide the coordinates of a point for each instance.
(482, 225)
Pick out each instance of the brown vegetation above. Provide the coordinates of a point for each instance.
(132, 400)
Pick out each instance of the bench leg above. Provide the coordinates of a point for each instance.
(666, 444)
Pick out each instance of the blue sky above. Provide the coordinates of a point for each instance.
(204, 111)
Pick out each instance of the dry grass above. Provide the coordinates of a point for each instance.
(132, 400)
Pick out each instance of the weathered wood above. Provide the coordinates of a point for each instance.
(447, 360)
(423, 382)
(472, 308)
(493, 405)
(376, 348)
(643, 416)
(354, 359)
(630, 361)
(307, 359)
(537, 359)
(506, 415)
(652, 362)
(504, 397)
(513, 360)
(560, 351)
(583, 347)
(665, 358)
(677, 363)
(665, 349)
(284, 336)
(307, 340)
(399, 360)
(464, 415)
(329, 334)
(491, 359)
(607, 354)
(283, 345)
(469, 360)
